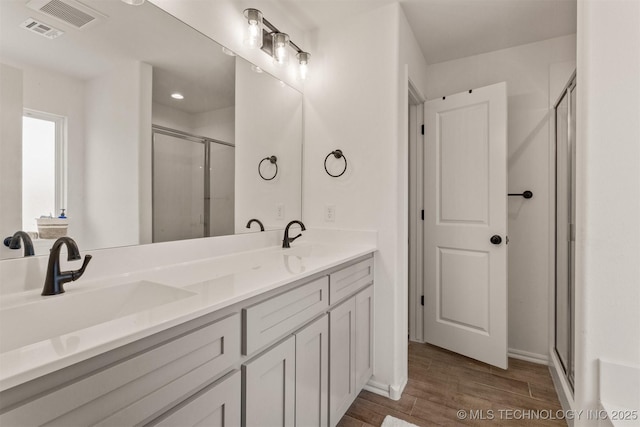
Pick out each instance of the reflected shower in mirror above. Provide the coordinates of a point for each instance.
(197, 174)
(115, 88)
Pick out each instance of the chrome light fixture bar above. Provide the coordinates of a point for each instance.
(273, 41)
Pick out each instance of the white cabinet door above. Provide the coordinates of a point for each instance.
(268, 387)
(342, 374)
(364, 337)
(312, 374)
(216, 406)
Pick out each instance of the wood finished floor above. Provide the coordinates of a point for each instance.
(442, 383)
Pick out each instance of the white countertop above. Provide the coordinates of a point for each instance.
(216, 283)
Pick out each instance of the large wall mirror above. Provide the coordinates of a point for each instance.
(140, 127)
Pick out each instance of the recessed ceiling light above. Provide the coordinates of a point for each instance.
(177, 95)
(256, 68)
(134, 2)
(228, 51)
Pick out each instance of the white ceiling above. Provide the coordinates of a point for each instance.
(183, 59)
(453, 29)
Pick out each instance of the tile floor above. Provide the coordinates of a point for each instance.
(441, 383)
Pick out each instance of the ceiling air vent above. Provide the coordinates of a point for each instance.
(70, 12)
(41, 28)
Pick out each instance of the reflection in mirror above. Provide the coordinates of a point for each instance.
(268, 123)
(129, 143)
(197, 174)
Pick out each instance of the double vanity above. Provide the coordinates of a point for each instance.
(238, 336)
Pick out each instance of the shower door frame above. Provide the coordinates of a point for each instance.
(163, 130)
(567, 368)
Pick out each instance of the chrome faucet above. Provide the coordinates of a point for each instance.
(13, 242)
(53, 283)
(255, 220)
(287, 240)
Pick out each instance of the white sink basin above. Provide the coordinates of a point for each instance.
(305, 250)
(52, 316)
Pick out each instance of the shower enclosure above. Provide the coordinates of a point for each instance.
(565, 135)
(193, 186)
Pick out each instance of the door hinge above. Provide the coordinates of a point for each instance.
(422, 214)
(422, 300)
(422, 129)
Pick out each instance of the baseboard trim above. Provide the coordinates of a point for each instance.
(395, 392)
(540, 359)
(390, 391)
(378, 388)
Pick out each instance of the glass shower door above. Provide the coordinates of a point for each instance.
(565, 229)
(572, 228)
(178, 188)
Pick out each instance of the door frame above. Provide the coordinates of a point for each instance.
(415, 188)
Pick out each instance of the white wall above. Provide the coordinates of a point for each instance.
(412, 67)
(608, 194)
(50, 92)
(11, 83)
(526, 69)
(358, 102)
(217, 124)
(268, 123)
(117, 146)
(163, 115)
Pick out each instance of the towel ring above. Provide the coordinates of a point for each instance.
(273, 160)
(337, 154)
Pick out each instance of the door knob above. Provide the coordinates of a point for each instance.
(495, 239)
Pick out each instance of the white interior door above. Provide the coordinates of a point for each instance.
(465, 274)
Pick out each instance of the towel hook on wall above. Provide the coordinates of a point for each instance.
(338, 155)
(273, 160)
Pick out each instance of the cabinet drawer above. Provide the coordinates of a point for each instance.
(267, 321)
(349, 280)
(142, 387)
(216, 405)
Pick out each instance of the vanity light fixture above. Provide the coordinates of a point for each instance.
(177, 95)
(253, 34)
(273, 41)
(280, 43)
(134, 2)
(303, 60)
